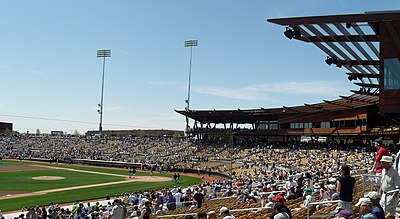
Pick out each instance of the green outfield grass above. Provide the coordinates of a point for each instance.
(9, 163)
(21, 180)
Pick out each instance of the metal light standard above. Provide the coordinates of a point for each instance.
(189, 43)
(102, 53)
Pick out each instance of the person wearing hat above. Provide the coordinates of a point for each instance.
(224, 213)
(212, 215)
(270, 203)
(377, 209)
(381, 151)
(346, 186)
(390, 181)
(365, 205)
(308, 197)
(279, 198)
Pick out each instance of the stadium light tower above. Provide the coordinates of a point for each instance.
(102, 53)
(189, 43)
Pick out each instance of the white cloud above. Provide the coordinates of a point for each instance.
(313, 88)
(236, 93)
(267, 91)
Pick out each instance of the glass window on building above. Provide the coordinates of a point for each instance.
(268, 125)
(308, 125)
(273, 126)
(391, 74)
(325, 124)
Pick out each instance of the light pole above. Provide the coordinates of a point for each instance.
(189, 43)
(102, 53)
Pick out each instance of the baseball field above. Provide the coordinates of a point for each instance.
(35, 183)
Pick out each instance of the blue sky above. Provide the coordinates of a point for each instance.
(49, 69)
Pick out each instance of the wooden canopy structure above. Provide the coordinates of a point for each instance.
(359, 43)
(363, 44)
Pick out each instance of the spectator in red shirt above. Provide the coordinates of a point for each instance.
(377, 168)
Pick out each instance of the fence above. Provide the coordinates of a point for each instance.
(370, 179)
(319, 215)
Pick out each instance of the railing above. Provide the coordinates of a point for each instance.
(234, 210)
(389, 192)
(175, 215)
(181, 205)
(370, 179)
(317, 203)
(248, 209)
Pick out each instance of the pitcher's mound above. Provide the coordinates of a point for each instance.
(48, 178)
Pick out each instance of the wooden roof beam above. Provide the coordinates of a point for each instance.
(365, 93)
(367, 85)
(351, 99)
(337, 104)
(342, 38)
(354, 62)
(346, 18)
(363, 75)
(291, 109)
(315, 106)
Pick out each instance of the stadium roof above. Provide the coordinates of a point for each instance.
(269, 114)
(350, 41)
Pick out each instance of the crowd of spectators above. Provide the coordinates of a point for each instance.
(269, 174)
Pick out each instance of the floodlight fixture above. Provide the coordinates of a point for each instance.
(103, 53)
(292, 32)
(333, 60)
(190, 43)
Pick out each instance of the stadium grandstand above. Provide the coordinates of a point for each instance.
(366, 47)
(267, 172)
(167, 134)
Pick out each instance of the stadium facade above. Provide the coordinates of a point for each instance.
(366, 47)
